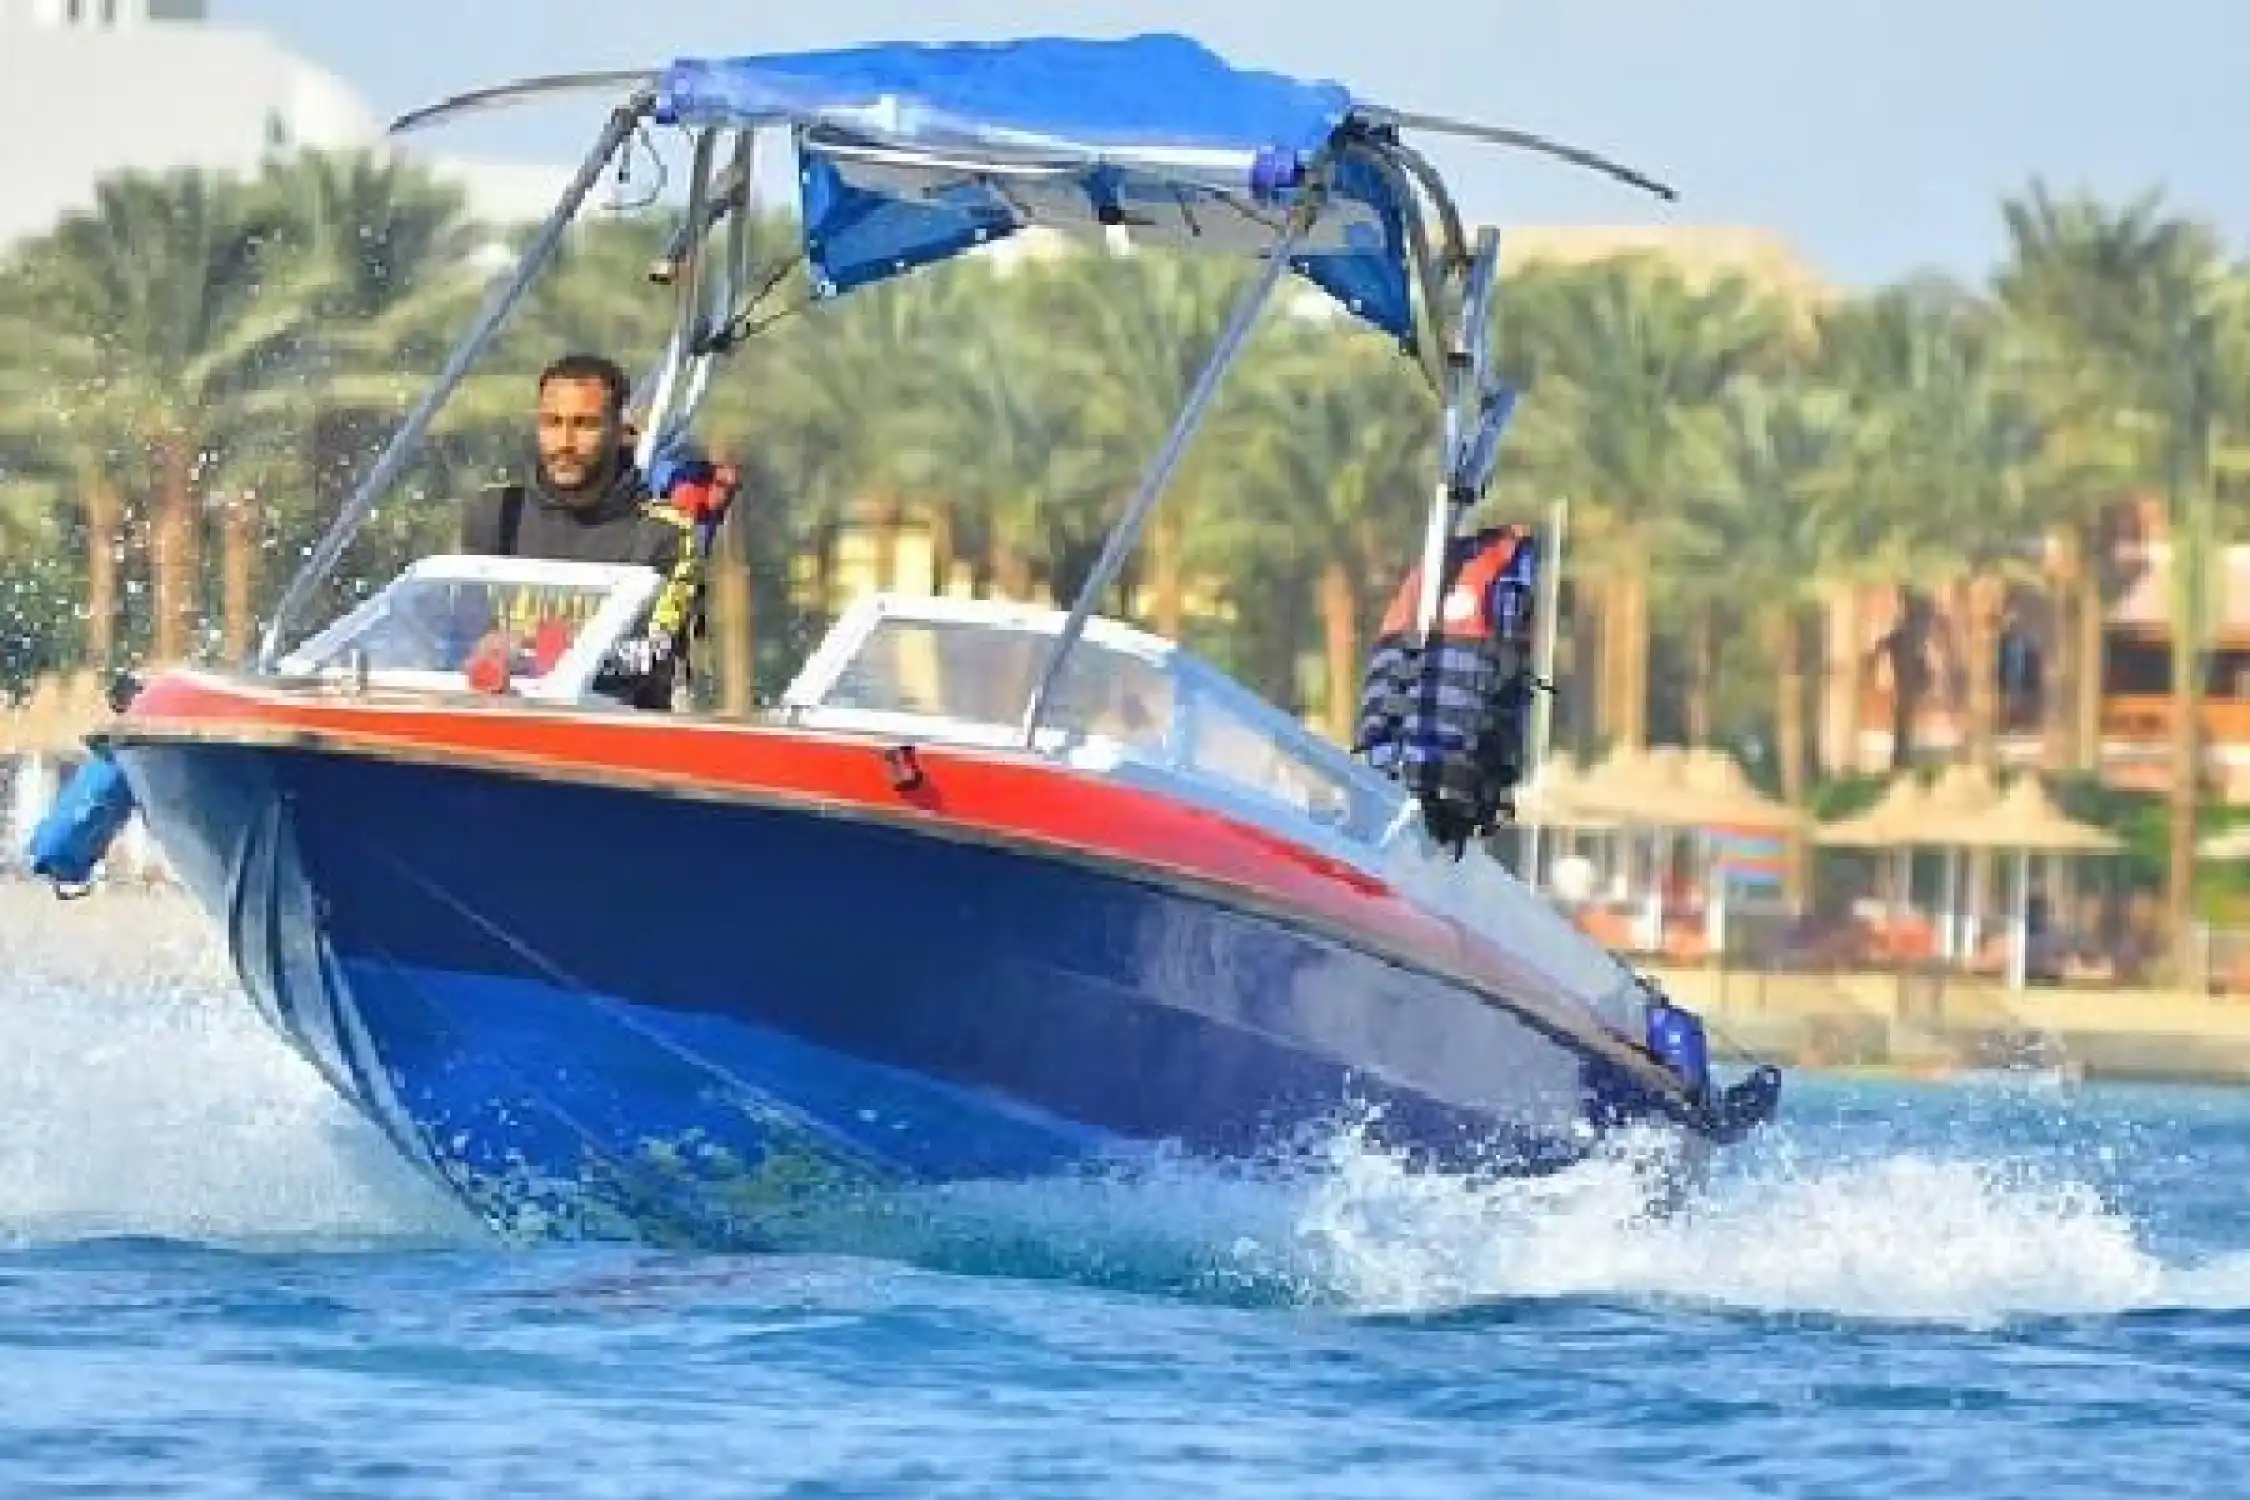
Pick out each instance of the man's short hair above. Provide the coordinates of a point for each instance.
(592, 367)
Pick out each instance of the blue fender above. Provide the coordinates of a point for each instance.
(75, 836)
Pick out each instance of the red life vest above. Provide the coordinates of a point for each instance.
(1464, 610)
(1448, 718)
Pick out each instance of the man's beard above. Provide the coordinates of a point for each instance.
(596, 482)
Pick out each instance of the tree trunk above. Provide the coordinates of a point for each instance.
(1981, 605)
(1784, 640)
(939, 518)
(1635, 649)
(2091, 658)
(2190, 552)
(1011, 572)
(1167, 543)
(238, 568)
(1908, 647)
(175, 548)
(889, 516)
(2059, 709)
(105, 517)
(2179, 884)
(1842, 680)
(1339, 629)
(1703, 672)
(1624, 639)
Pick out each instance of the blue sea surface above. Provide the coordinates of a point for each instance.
(214, 1282)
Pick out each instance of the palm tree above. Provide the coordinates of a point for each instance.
(1958, 459)
(162, 311)
(1625, 364)
(1778, 530)
(1132, 332)
(1008, 442)
(1332, 456)
(2077, 289)
(42, 436)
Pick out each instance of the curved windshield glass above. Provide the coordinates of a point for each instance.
(436, 624)
(976, 672)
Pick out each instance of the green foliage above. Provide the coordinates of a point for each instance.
(1734, 460)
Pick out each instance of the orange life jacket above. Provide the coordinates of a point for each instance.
(1448, 718)
(1464, 610)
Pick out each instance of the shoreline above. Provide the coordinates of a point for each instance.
(1930, 1028)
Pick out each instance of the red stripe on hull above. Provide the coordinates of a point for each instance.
(984, 793)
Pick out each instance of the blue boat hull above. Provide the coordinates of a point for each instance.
(594, 1011)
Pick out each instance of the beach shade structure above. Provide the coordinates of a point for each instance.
(1888, 827)
(1554, 797)
(1669, 790)
(1550, 799)
(1617, 786)
(1961, 794)
(1897, 815)
(1719, 795)
(2024, 822)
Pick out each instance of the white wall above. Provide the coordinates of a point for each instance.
(175, 94)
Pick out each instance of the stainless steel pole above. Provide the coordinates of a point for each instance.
(408, 440)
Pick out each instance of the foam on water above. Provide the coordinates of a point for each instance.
(141, 1096)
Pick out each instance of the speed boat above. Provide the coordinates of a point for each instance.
(994, 891)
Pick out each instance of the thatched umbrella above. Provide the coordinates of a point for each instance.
(1555, 797)
(1887, 825)
(1551, 798)
(1669, 790)
(2025, 822)
(1962, 794)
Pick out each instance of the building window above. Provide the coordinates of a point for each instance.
(74, 12)
(277, 131)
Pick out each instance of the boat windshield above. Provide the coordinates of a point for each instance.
(1174, 711)
(976, 672)
(556, 622)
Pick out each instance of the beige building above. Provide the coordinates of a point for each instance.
(175, 89)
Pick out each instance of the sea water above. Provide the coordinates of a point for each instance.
(214, 1282)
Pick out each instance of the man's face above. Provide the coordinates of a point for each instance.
(578, 435)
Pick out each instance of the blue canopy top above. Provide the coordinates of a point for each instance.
(913, 153)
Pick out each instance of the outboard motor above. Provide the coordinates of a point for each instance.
(96, 804)
(1450, 720)
(1676, 1038)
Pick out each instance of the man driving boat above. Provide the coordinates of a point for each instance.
(589, 502)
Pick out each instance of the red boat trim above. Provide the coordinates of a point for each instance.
(989, 797)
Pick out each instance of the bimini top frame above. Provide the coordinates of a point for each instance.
(908, 155)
